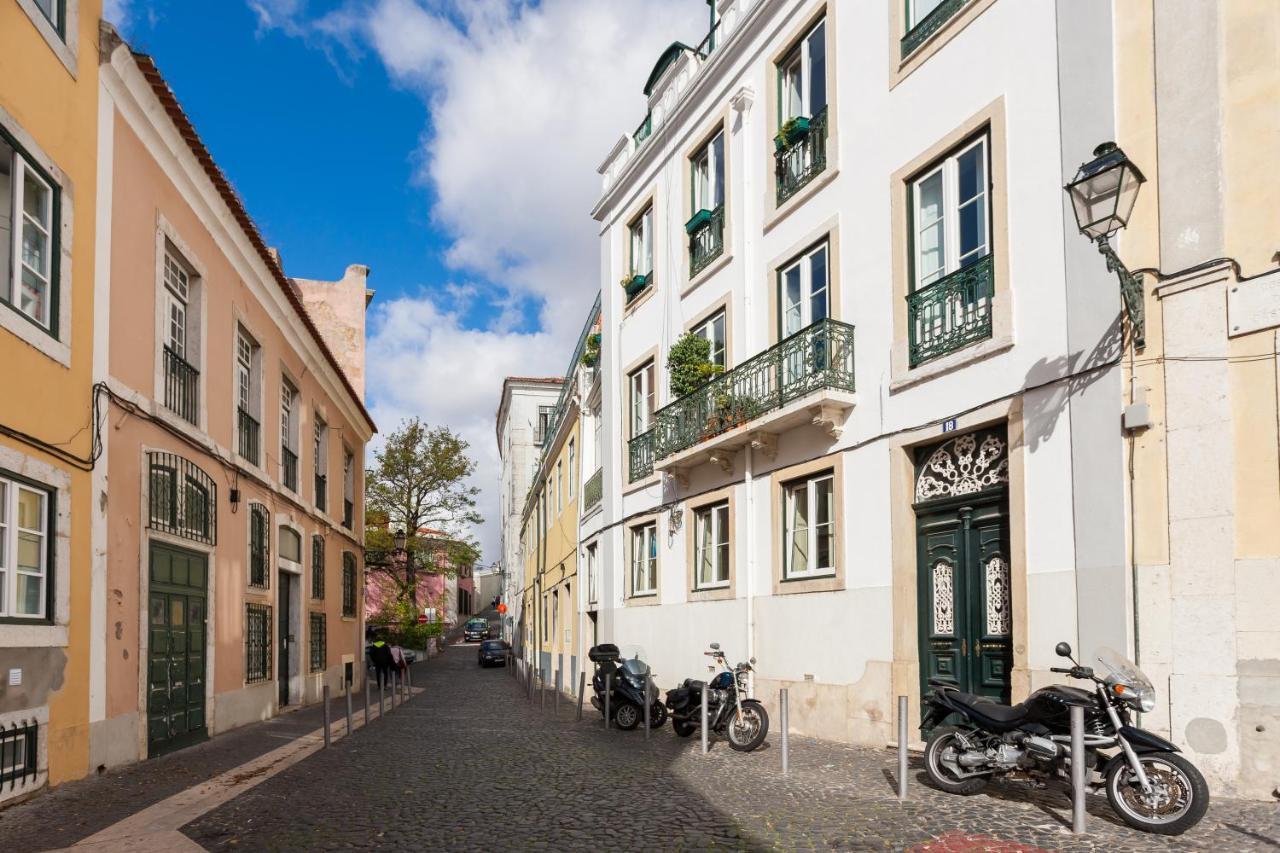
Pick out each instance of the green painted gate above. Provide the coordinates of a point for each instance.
(178, 592)
(963, 565)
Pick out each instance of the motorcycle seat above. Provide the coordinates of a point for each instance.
(987, 708)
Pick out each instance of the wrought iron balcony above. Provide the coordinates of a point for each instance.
(322, 486)
(929, 25)
(593, 491)
(802, 157)
(815, 365)
(181, 386)
(347, 512)
(706, 239)
(248, 435)
(951, 313)
(289, 468)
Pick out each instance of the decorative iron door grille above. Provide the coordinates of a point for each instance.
(183, 498)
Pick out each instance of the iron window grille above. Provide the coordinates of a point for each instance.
(317, 568)
(322, 483)
(257, 642)
(929, 24)
(181, 386)
(183, 498)
(706, 240)
(319, 644)
(799, 161)
(248, 429)
(259, 546)
(289, 466)
(950, 313)
(19, 753)
(348, 513)
(348, 584)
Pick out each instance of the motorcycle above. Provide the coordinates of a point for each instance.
(1148, 784)
(627, 674)
(745, 721)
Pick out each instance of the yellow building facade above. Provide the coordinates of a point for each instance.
(48, 185)
(1198, 111)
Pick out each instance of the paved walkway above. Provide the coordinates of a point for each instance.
(469, 764)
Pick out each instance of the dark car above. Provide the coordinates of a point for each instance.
(494, 651)
(475, 629)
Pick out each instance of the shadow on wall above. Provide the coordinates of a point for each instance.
(1042, 411)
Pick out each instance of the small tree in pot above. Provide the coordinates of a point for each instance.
(690, 365)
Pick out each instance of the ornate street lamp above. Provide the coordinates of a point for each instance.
(1102, 194)
(400, 539)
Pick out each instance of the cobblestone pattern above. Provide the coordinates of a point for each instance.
(76, 810)
(470, 765)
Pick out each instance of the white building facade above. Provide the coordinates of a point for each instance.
(910, 466)
(523, 414)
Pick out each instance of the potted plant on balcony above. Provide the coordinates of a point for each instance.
(591, 352)
(690, 365)
(635, 283)
(792, 130)
(728, 410)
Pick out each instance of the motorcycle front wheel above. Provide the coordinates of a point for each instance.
(627, 716)
(941, 762)
(1179, 795)
(748, 732)
(684, 728)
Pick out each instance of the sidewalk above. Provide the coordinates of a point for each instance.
(225, 764)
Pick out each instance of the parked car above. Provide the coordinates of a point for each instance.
(475, 629)
(494, 652)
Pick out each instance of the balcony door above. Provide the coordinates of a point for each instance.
(804, 298)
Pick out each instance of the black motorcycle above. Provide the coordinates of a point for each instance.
(1148, 784)
(744, 721)
(627, 674)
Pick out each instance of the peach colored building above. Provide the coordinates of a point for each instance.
(233, 506)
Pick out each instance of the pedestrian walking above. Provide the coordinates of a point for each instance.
(383, 661)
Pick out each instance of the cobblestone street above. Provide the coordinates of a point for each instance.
(469, 764)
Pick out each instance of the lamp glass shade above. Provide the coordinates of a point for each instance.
(400, 540)
(1104, 192)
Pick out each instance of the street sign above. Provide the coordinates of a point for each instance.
(422, 618)
(502, 608)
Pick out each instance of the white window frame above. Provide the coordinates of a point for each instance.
(573, 456)
(640, 238)
(706, 178)
(799, 61)
(349, 477)
(177, 285)
(809, 485)
(707, 331)
(10, 534)
(715, 517)
(593, 557)
(914, 17)
(644, 562)
(20, 169)
(244, 370)
(804, 266)
(640, 383)
(947, 171)
(559, 486)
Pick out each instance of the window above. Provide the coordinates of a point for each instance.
(707, 168)
(644, 559)
(924, 18)
(809, 527)
(319, 643)
(573, 454)
(951, 214)
(918, 10)
(19, 753)
(348, 487)
(711, 546)
(317, 567)
(29, 212)
(803, 290)
(320, 448)
(26, 522)
(290, 545)
(182, 498)
(559, 486)
(348, 584)
(54, 11)
(181, 348)
(641, 404)
(257, 642)
(802, 77)
(592, 579)
(641, 238)
(288, 435)
(259, 546)
(544, 423)
(247, 384)
(712, 330)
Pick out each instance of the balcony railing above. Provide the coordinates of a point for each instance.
(644, 130)
(289, 468)
(819, 357)
(951, 313)
(801, 159)
(322, 485)
(348, 509)
(593, 491)
(929, 25)
(181, 386)
(706, 239)
(248, 431)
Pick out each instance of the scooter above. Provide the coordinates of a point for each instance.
(627, 677)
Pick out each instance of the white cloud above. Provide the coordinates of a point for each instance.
(117, 12)
(525, 99)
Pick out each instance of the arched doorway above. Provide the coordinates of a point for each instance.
(963, 563)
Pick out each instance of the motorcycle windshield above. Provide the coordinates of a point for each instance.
(635, 666)
(1121, 670)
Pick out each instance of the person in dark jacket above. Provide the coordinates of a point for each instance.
(383, 662)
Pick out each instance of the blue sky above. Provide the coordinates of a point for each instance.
(450, 145)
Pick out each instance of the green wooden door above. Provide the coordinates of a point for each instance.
(963, 568)
(176, 654)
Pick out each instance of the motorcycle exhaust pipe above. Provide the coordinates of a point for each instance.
(971, 759)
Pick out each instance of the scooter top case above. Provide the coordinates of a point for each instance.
(604, 653)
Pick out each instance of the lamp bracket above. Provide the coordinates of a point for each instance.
(1130, 292)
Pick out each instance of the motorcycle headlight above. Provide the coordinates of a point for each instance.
(1142, 698)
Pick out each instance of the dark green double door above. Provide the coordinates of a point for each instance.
(178, 593)
(965, 600)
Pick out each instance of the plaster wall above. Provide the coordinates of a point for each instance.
(338, 310)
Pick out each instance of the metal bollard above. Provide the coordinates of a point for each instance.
(784, 713)
(703, 720)
(408, 678)
(324, 694)
(648, 684)
(608, 691)
(542, 689)
(366, 698)
(348, 710)
(582, 691)
(558, 677)
(382, 696)
(1077, 770)
(902, 747)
